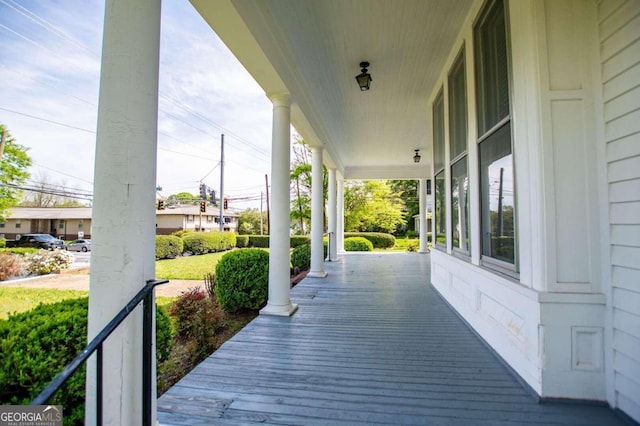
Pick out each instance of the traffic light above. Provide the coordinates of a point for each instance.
(203, 206)
(203, 191)
(160, 204)
(213, 197)
(225, 204)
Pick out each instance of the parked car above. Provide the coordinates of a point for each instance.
(42, 241)
(79, 245)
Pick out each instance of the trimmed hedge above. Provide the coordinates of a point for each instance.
(242, 280)
(262, 241)
(298, 240)
(209, 242)
(378, 239)
(357, 244)
(36, 345)
(301, 257)
(258, 241)
(168, 246)
(242, 241)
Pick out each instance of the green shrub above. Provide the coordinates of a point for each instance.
(357, 244)
(209, 242)
(3, 242)
(182, 232)
(36, 345)
(242, 279)
(298, 240)
(10, 266)
(46, 262)
(168, 246)
(262, 241)
(412, 234)
(378, 239)
(259, 241)
(301, 257)
(242, 241)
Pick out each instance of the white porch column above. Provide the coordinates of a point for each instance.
(279, 280)
(317, 215)
(123, 223)
(340, 230)
(332, 209)
(422, 197)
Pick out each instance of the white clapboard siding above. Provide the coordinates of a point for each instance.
(619, 24)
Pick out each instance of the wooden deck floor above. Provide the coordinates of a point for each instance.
(372, 343)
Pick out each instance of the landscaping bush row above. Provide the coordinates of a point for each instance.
(36, 345)
(379, 240)
(171, 246)
(262, 241)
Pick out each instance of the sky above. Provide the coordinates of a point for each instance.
(49, 79)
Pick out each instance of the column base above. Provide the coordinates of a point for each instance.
(279, 310)
(317, 274)
(335, 259)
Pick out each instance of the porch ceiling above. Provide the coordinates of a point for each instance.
(312, 49)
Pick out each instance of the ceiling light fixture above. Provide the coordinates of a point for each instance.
(364, 78)
(417, 157)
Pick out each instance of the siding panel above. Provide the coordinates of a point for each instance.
(619, 25)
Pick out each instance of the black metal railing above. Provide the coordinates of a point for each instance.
(330, 237)
(145, 295)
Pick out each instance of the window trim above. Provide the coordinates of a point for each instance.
(509, 269)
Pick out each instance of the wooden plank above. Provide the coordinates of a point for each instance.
(375, 345)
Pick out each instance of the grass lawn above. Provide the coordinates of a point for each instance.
(18, 299)
(187, 268)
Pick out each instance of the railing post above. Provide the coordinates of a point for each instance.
(147, 357)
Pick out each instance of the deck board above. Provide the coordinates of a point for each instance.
(372, 343)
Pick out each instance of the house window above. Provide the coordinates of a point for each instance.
(2, 225)
(209, 219)
(227, 220)
(458, 153)
(18, 224)
(80, 223)
(438, 163)
(61, 224)
(190, 218)
(497, 201)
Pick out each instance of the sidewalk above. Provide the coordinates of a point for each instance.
(78, 279)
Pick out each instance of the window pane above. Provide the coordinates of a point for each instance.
(457, 108)
(441, 210)
(460, 205)
(491, 67)
(498, 204)
(438, 132)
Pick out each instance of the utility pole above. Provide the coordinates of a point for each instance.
(221, 203)
(2, 141)
(266, 181)
(261, 225)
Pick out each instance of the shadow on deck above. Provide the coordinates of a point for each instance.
(373, 343)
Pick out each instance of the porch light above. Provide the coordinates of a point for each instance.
(364, 78)
(417, 157)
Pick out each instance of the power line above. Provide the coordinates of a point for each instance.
(47, 120)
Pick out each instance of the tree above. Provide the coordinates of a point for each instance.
(47, 194)
(373, 206)
(13, 172)
(408, 190)
(182, 198)
(300, 176)
(249, 222)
